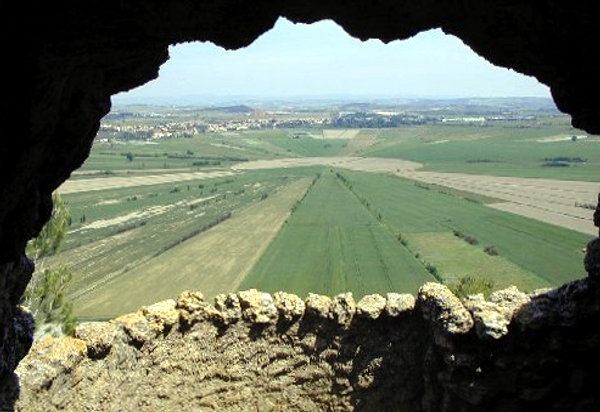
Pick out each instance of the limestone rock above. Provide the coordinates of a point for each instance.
(443, 308)
(50, 357)
(290, 306)
(319, 305)
(136, 327)
(193, 308)
(161, 315)
(257, 307)
(399, 303)
(98, 336)
(370, 306)
(343, 308)
(493, 317)
(491, 321)
(229, 308)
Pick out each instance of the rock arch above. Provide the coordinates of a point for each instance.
(64, 62)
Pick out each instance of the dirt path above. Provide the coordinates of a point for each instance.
(213, 262)
(369, 164)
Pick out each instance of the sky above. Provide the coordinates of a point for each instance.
(322, 60)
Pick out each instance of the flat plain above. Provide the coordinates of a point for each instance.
(391, 208)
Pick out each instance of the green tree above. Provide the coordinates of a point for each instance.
(46, 294)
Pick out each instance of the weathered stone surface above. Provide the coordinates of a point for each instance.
(229, 308)
(387, 363)
(98, 337)
(399, 303)
(136, 327)
(491, 320)
(290, 306)
(443, 308)
(343, 308)
(161, 315)
(493, 317)
(50, 358)
(318, 305)
(370, 306)
(257, 307)
(193, 308)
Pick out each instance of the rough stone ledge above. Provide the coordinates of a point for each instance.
(462, 348)
(489, 319)
(435, 302)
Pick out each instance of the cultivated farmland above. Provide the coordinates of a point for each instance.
(391, 208)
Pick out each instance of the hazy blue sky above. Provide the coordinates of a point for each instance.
(322, 60)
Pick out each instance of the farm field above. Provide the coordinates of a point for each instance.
(393, 208)
(559, 202)
(545, 151)
(410, 207)
(214, 262)
(332, 244)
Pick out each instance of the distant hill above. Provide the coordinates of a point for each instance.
(231, 109)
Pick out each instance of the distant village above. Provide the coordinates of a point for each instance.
(151, 126)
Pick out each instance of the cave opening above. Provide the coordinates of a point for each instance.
(195, 179)
(456, 373)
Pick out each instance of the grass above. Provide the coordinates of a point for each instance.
(456, 258)
(303, 146)
(492, 150)
(159, 219)
(212, 261)
(332, 244)
(553, 254)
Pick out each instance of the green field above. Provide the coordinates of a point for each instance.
(550, 252)
(493, 150)
(331, 244)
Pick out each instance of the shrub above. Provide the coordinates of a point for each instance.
(472, 240)
(491, 250)
(470, 285)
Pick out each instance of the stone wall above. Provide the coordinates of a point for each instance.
(253, 351)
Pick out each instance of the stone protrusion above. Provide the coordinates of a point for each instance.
(98, 336)
(50, 357)
(509, 299)
(193, 308)
(439, 305)
(343, 308)
(399, 303)
(290, 306)
(490, 319)
(493, 317)
(136, 327)
(257, 307)
(318, 305)
(228, 307)
(161, 315)
(370, 306)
